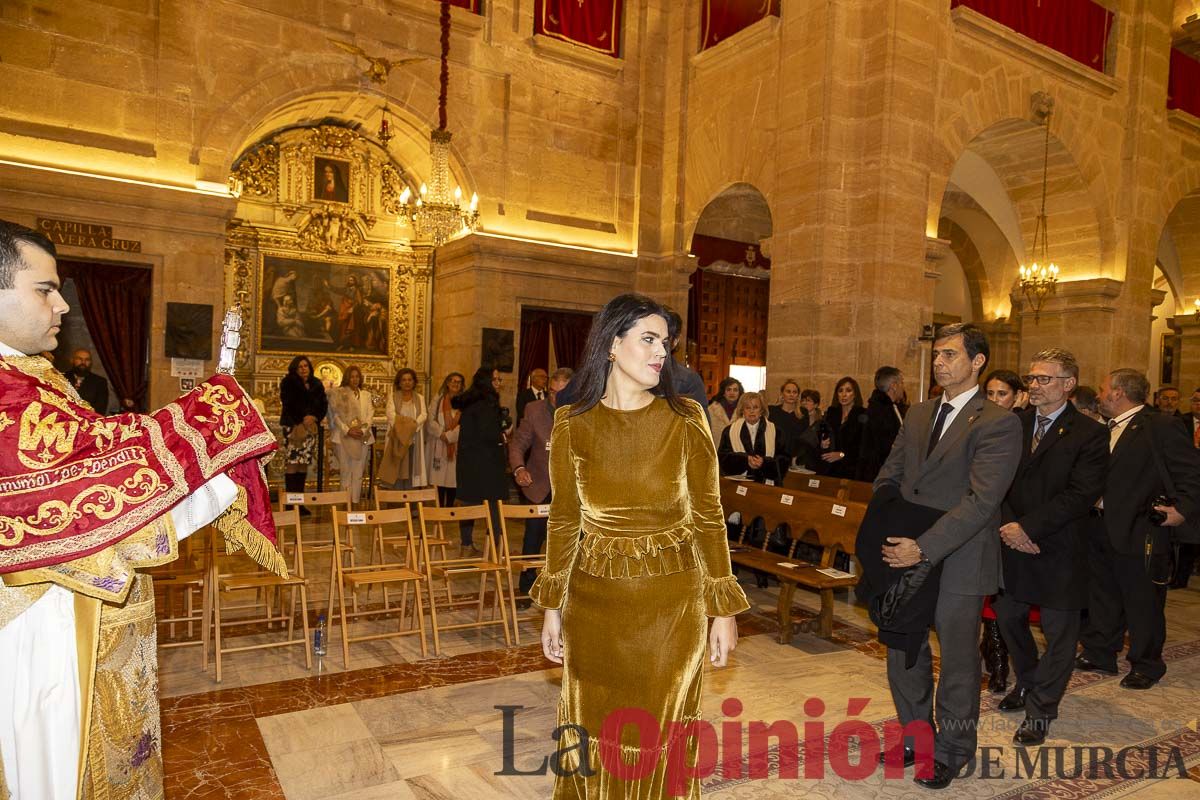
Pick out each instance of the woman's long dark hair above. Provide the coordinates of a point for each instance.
(613, 321)
(293, 370)
(858, 398)
(725, 384)
(480, 389)
(1006, 376)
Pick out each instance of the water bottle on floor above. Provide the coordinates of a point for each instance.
(321, 636)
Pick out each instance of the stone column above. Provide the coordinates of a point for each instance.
(1187, 360)
(1004, 341)
(1081, 316)
(848, 285)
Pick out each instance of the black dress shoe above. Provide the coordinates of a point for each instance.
(891, 756)
(1032, 732)
(940, 779)
(1087, 665)
(1136, 680)
(1014, 700)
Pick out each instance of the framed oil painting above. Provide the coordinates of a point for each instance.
(318, 307)
(331, 180)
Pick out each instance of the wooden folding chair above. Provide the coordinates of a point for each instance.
(262, 580)
(384, 574)
(185, 574)
(519, 563)
(488, 565)
(316, 542)
(390, 498)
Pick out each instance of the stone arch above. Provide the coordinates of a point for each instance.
(972, 263)
(739, 212)
(719, 154)
(410, 147)
(1179, 184)
(1002, 99)
(225, 133)
(1013, 150)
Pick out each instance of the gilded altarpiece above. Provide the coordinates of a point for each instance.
(321, 264)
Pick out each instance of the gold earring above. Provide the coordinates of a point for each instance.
(612, 356)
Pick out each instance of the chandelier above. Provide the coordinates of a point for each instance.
(1038, 281)
(436, 213)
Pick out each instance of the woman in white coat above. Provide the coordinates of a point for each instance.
(406, 417)
(441, 439)
(350, 415)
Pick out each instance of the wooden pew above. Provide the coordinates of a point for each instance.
(844, 488)
(835, 522)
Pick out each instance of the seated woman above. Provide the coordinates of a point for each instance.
(751, 444)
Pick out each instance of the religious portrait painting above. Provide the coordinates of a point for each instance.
(331, 180)
(318, 307)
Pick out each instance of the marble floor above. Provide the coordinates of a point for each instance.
(396, 725)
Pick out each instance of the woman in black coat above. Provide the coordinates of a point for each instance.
(842, 436)
(303, 401)
(480, 467)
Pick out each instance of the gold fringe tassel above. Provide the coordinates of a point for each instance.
(241, 535)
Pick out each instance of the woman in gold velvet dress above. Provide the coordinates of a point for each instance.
(632, 466)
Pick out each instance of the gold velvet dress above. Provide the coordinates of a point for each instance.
(636, 589)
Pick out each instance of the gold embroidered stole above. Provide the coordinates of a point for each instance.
(120, 739)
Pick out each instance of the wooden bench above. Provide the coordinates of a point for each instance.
(843, 488)
(831, 523)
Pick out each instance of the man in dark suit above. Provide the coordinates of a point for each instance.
(957, 453)
(1151, 457)
(1185, 551)
(1044, 530)
(536, 390)
(529, 458)
(91, 387)
(883, 422)
(1167, 400)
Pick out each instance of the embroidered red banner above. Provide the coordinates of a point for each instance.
(470, 5)
(74, 482)
(723, 18)
(594, 24)
(1183, 83)
(1076, 28)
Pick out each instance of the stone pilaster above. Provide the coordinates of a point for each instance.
(1081, 316)
(1187, 360)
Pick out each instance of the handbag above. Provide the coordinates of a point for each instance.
(779, 542)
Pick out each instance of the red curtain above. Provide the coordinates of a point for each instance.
(708, 249)
(470, 5)
(595, 24)
(1076, 28)
(724, 18)
(570, 332)
(1183, 84)
(535, 346)
(569, 329)
(115, 304)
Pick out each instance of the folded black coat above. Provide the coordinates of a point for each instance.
(901, 601)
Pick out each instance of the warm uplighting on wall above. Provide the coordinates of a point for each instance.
(549, 243)
(1196, 307)
(200, 187)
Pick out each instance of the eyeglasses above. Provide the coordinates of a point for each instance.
(1042, 380)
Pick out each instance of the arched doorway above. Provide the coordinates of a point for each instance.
(1174, 357)
(988, 217)
(729, 289)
